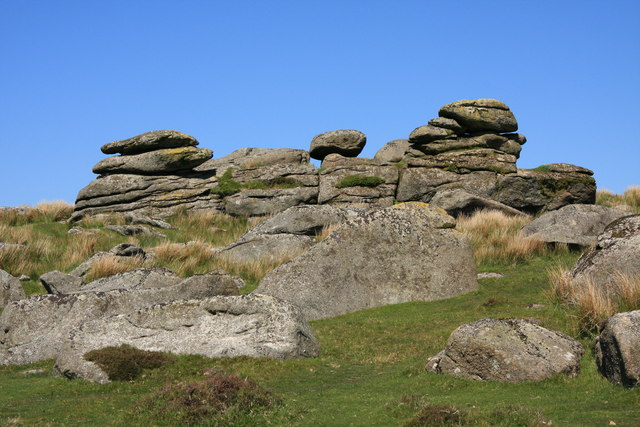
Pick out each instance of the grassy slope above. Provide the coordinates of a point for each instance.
(369, 373)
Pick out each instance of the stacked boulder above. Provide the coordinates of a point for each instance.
(473, 145)
(152, 173)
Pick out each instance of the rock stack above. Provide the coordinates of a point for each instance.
(152, 173)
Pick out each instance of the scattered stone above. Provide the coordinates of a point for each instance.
(535, 306)
(348, 143)
(33, 371)
(134, 230)
(512, 350)
(145, 220)
(24, 278)
(481, 115)
(490, 276)
(617, 349)
(392, 152)
(617, 251)
(459, 202)
(150, 141)
(368, 262)
(56, 282)
(573, 224)
(10, 289)
(80, 230)
(127, 249)
(247, 325)
(11, 246)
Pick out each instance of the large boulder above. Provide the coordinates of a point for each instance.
(573, 224)
(385, 256)
(617, 349)
(459, 202)
(272, 247)
(511, 350)
(150, 141)
(617, 251)
(481, 115)
(245, 158)
(10, 288)
(348, 143)
(158, 162)
(156, 196)
(248, 325)
(35, 328)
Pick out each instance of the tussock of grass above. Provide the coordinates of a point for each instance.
(126, 363)
(594, 302)
(217, 400)
(111, 264)
(43, 212)
(629, 200)
(360, 181)
(496, 237)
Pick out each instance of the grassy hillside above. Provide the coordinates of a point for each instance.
(371, 368)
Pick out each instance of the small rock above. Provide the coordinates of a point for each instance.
(428, 133)
(24, 278)
(33, 371)
(133, 230)
(490, 276)
(145, 220)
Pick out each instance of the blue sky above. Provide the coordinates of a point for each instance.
(78, 74)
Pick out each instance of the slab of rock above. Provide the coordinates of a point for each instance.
(56, 282)
(392, 152)
(617, 251)
(481, 115)
(155, 196)
(36, 328)
(10, 288)
(138, 219)
(512, 350)
(460, 202)
(158, 162)
(247, 325)
(270, 201)
(302, 175)
(150, 141)
(348, 143)
(255, 157)
(429, 133)
(134, 230)
(370, 261)
(266, 247)
(573, 224)
(617, 349)
(443, 122)
(140, 278)
(465, 161)
(482, 140)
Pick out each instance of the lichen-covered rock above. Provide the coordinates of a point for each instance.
(36, 328)
(443, 122)
(464, 161)
(333, 190)
(269, 201)
(286, 174)
(511, 350)
(56, 282)
(617, 349)
(482, 140)
(10, 288)
(266, 247)
(247, 325)
(421, 184)
(481, 115)
(617, 251)
(158, 162)
(150, 141)
(459, 202)
(392, 152)
(247, 158)
(370, 261)
(155, 196)
(348, 143)
(573, 224)
(140, 278)
(428, 133)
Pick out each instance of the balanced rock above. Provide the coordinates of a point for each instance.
(348, 143)
(573, 224)
(150, 141)
(618, 349)
(617, 251)
(158, 162)
(481, 115)
(392, 152)
(511, 350)
(429, 133)
(247, 325)
(370, 261)
(10, 288)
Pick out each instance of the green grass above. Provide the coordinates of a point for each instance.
(370, 371)
(360, 181)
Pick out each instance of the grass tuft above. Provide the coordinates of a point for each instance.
(126, 363)
(629, 200)
(111, 264)
(360, 181)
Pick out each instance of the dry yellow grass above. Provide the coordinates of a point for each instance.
(593, 301)
(496, 237)
(111, 264)
(629, 200)
(57, 210)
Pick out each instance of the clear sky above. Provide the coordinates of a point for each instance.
(75, 75)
